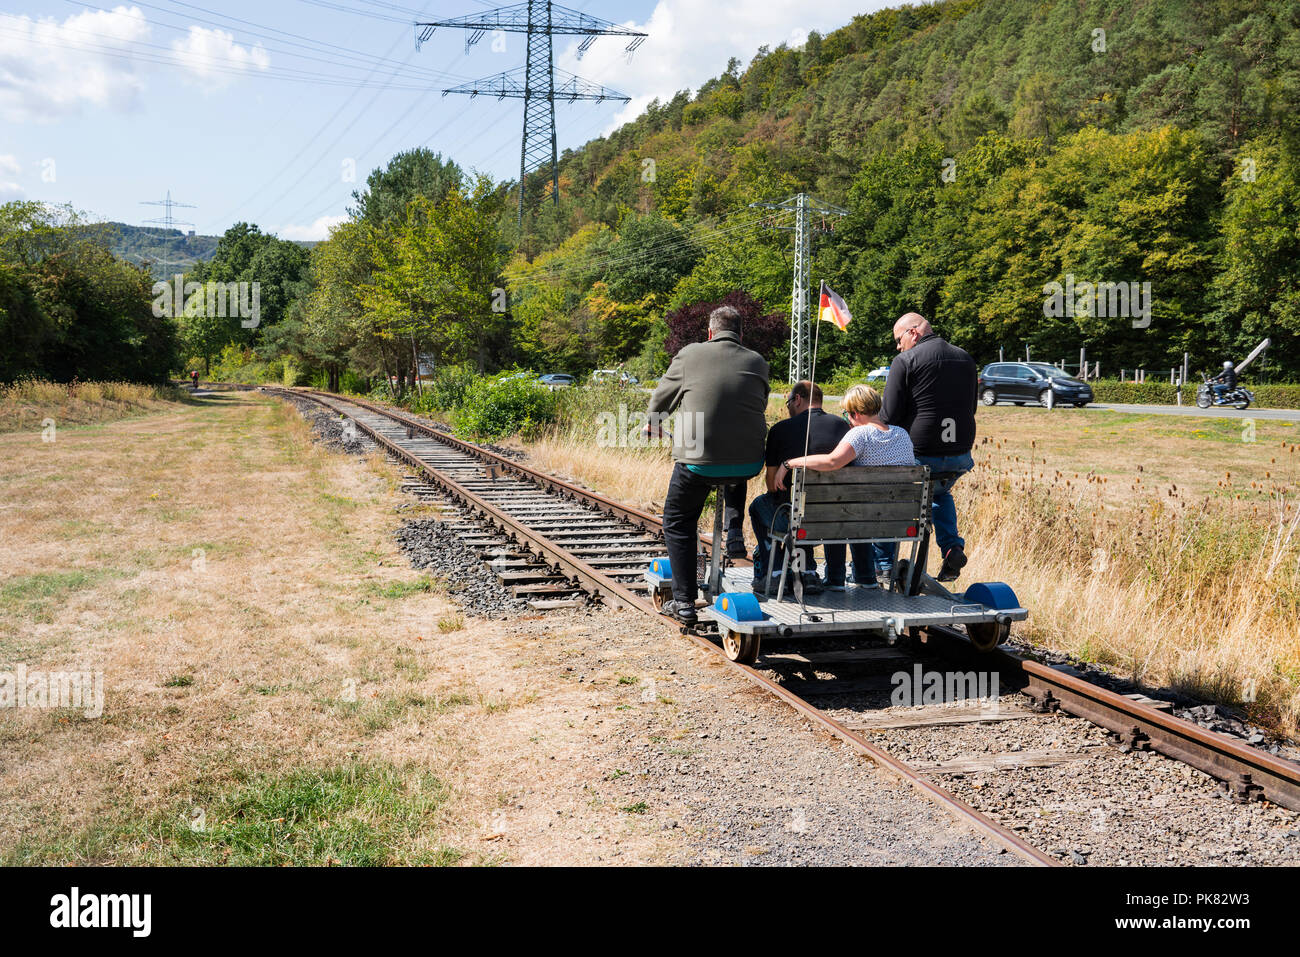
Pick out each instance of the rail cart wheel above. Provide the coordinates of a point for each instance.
(657, 599)
(740, 648)
(987, 635)
(989, 397)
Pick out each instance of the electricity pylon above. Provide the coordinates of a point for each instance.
(536, 82)
(811, 215)
(166, 219)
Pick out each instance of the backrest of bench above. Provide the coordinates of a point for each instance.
(865, 503)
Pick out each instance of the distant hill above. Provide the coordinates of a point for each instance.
(165, 251)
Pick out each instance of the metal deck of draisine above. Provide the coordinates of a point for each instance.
(856, 609)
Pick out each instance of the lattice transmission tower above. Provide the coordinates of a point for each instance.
(538, 83)
(167, 220)
(811, 215)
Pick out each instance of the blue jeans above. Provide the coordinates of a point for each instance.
(943, 508)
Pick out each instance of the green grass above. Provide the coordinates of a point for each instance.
(359, 814)
(34, 596)
(397, 590)
(179, 681)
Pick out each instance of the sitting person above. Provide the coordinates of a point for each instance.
(869, 442)
(807, 427)
(720, 389)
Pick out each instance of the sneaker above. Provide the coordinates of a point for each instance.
(953, 562)
(835, 586)
(812, 583)
(737, 550)
(682, 611)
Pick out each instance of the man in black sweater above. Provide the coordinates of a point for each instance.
(931, 392)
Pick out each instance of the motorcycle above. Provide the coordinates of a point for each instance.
(1240, 397)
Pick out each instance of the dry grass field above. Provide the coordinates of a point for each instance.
(31, 403)
(279, 685)
(1164, 547)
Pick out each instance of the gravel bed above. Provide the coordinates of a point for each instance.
(706, 758)
(331, 429)
(430, 545)
(1213, 717)
(1112, 808)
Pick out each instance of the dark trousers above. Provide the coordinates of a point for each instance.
(687, 493)
(733, 515)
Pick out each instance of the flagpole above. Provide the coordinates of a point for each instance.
(812, 370)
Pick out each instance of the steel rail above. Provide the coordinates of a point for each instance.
(1250, 773)
(621, 595)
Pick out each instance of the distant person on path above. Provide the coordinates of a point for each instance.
(868, 442)
(720, 389)
(931, 392)
(194, 380)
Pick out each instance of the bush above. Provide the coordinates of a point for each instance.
(1281, 395)
(497, 407)
(445, 391)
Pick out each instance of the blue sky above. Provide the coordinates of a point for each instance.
(259, 111)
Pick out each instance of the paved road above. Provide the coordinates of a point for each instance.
(1286, 415)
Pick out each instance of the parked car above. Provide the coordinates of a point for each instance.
(1024, 382)
(614, 375)
(881, 374)
(557, 380)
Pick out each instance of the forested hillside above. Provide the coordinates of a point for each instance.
(984, 149)
(164, 251)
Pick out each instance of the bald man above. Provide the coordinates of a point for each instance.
(931, 392)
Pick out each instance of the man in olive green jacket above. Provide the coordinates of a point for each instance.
(719, 390)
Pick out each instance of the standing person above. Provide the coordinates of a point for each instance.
(931, 392)
(720, 389)
(807, 421)
(194, 380)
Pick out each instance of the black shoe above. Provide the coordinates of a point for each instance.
(953, 562)
(737, 550)
(682, 611)
(812, 583)
(759, 584)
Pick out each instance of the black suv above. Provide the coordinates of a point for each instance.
(1022, 382)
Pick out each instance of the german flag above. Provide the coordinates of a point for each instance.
(833, 308)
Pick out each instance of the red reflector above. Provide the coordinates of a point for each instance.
(801, 533)
(911, 531)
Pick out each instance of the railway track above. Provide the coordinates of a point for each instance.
(557, 545)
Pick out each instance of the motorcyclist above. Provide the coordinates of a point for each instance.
(1225, 381)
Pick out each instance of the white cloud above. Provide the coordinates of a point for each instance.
(10, 191)
(50, 69)
(316, 231)
(9, 164)
(689, 42)
(213, 54)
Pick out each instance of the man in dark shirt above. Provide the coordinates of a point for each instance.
(785, 440)
(931, 392)
(1225, 381)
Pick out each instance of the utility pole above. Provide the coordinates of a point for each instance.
(166, 219)
(536, 82)
(810, 215)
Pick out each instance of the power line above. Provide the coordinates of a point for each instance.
(534, 83)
